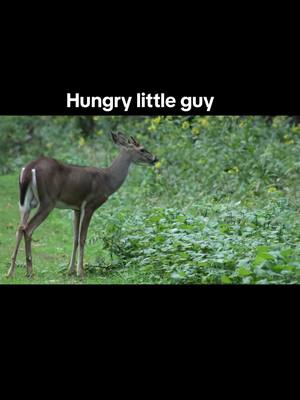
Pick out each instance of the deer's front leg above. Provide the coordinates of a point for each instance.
(85, 219)
(75, 242)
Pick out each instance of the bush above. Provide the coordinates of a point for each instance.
(221, 206)
(210, 243)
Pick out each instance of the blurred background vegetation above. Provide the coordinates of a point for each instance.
(220, 156)
(221, 206)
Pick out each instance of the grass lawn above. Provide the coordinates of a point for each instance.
(51, 246)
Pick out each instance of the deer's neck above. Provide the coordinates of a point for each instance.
(118, 171)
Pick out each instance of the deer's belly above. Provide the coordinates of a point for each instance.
(64, 206)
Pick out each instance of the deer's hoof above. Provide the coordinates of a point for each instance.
(71, 272)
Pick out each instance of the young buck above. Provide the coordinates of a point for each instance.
(47, 184)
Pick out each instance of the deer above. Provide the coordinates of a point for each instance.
(46, 184)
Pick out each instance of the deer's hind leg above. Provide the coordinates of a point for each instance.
(43, 211)
(25, 212)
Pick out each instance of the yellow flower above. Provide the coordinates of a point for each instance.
(277, 121)
(156, 120)
(287, 140)
(272, 189)
(296, 129)
(195, 131)
(185, 125)
(158, 165)
(81, 141)
(291, 141)
(234, 170)
(203, 121)
(152, 128)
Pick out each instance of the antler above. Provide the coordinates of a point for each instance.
(134, 141)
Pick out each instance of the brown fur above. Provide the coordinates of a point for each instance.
(69, 184)
(83, 189)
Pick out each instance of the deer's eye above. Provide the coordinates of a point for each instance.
(142, 150)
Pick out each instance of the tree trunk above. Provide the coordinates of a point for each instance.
(87, 125)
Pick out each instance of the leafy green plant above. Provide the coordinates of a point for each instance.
(208, 244)
(221, 206)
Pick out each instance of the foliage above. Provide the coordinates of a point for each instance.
(209, 243)
(221, 206)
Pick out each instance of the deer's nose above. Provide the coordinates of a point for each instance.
(155, 160)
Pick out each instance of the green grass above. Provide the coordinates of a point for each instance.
(221, 207)
(211, 242)
(51, 246)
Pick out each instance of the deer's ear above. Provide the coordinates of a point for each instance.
(119, 139)
(122, 140)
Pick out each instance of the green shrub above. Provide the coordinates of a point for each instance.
(221, 206)
(210, 243)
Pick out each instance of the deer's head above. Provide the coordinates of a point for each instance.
(138, 153)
